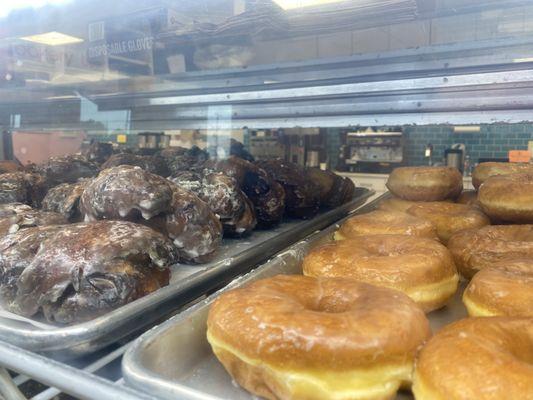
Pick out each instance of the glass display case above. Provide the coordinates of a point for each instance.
(250, 123)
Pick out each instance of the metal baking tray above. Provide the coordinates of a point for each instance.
(187, 283)
(174, 360)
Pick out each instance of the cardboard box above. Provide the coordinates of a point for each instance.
(519, 156)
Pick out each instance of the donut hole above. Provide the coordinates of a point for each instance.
(319, 301)
(390, 250)
(380, 222)
(330, 305)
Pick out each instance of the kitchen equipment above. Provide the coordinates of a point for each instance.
(455, 156)
(373, 151)
(267, 144)
(174, 359)
(153, 140)
(312, 159)
(523, 156)
(297, 148)
(187, 283)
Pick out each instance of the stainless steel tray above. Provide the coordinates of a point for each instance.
(187, 283)
(174, 359)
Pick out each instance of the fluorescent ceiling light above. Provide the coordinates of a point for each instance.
(52, 39)
(525, 59)
(291, 4)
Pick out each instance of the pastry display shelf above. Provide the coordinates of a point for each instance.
(174, 359)
(187, 283)
(97, 372)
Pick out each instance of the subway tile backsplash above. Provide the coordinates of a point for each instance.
(493, 141)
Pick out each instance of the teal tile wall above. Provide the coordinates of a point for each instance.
(333, 144)
(492, 141)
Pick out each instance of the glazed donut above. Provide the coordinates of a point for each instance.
(506, 288)
(396, 204)
(508, 197)
(385, 222)
(425, 183)
(468, 197)
(296, 337)
(477, 358)
(421, 268)
(477, 249)
(485, 170)
(449, 217)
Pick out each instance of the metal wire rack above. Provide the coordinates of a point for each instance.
(95, 377)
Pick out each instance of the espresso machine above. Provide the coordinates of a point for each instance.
(372, 150)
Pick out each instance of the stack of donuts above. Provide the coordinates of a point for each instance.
(354, 325)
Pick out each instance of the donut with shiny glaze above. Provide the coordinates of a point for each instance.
(385, 222)
(65, 199)
(477, 249)
(484, 171)
(508, 198)
(505, 289)
(16, 216)
(194, 229)
(297, 337)
(421, 268)
(65, 169)
(395, 204)
(425, 183)
(477, 358)
(73, 273)
(22, 187)
(449, 217)
(126, 192)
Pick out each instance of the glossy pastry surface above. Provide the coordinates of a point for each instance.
(449, 218)
(485, 170)
(267, 195)
(296, 337)
(126, 192)
(224, 197)
(17, 216)
(425, 183)
(508, 198)
(302, 195)
(22, 187)
(477, 249)
(381, 222)
(65, 199)
(66, 169)
(504, 289)
(421, 268)
(477, 358)
(77, 272)
(194, 229)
